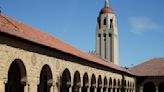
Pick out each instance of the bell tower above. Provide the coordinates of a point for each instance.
(107, 35)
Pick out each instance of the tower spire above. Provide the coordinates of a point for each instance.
(106, 3)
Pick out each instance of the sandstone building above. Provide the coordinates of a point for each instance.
(33, 61)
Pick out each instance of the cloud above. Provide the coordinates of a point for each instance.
(143, 24)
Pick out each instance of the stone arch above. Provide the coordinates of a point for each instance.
(110, 85)
(149, 87)
(76, 82)
(114, 85)
(118, 85)
(125, 85)
(128, 86)
(85, 83)
(131, 86)
(46, 79)
(161, 87)
(17, 77)
(93, 83)
(105, 84)
(99, 84)
(65, 81)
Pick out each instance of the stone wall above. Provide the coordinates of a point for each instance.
(34, 57)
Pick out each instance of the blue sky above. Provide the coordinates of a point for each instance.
(140, 24)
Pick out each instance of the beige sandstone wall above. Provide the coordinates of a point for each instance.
(34, 62)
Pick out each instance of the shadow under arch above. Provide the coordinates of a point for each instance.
(46, 79)
(99, 85)
(149, 87)
(118, 86)
(114, 85)
(93, 83)
(85, 82)
(105, 84)
(110, 85)
(65, 81)
(17, 77)
(76, 82)
(161, 87)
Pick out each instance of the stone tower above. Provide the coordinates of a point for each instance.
(107, 35)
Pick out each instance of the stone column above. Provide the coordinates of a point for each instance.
(95, 89)
(101, 89)
(141, 89)
(111, 89)
(119, 89)
(70, 89)
(2, 86)
(26, 88)
(32, 87)
(106, 89)
(88, 89)
(156, 88)
(125, 89)
(52, 88)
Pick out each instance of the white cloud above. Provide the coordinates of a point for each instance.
(143, 24)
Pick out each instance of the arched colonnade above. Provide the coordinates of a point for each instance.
(17, 80)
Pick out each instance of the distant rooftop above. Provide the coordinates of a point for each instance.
(153, 67)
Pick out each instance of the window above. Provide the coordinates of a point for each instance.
(111, 23)
(105, 21)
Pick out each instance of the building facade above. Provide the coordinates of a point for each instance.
(33, 61)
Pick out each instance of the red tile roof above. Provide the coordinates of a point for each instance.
(15, 28)
(153, 67)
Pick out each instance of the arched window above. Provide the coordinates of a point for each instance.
(105, 45)
(105, 21)
(99, 39)
(111, 23)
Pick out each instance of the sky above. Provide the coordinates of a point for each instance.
(140, 24)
